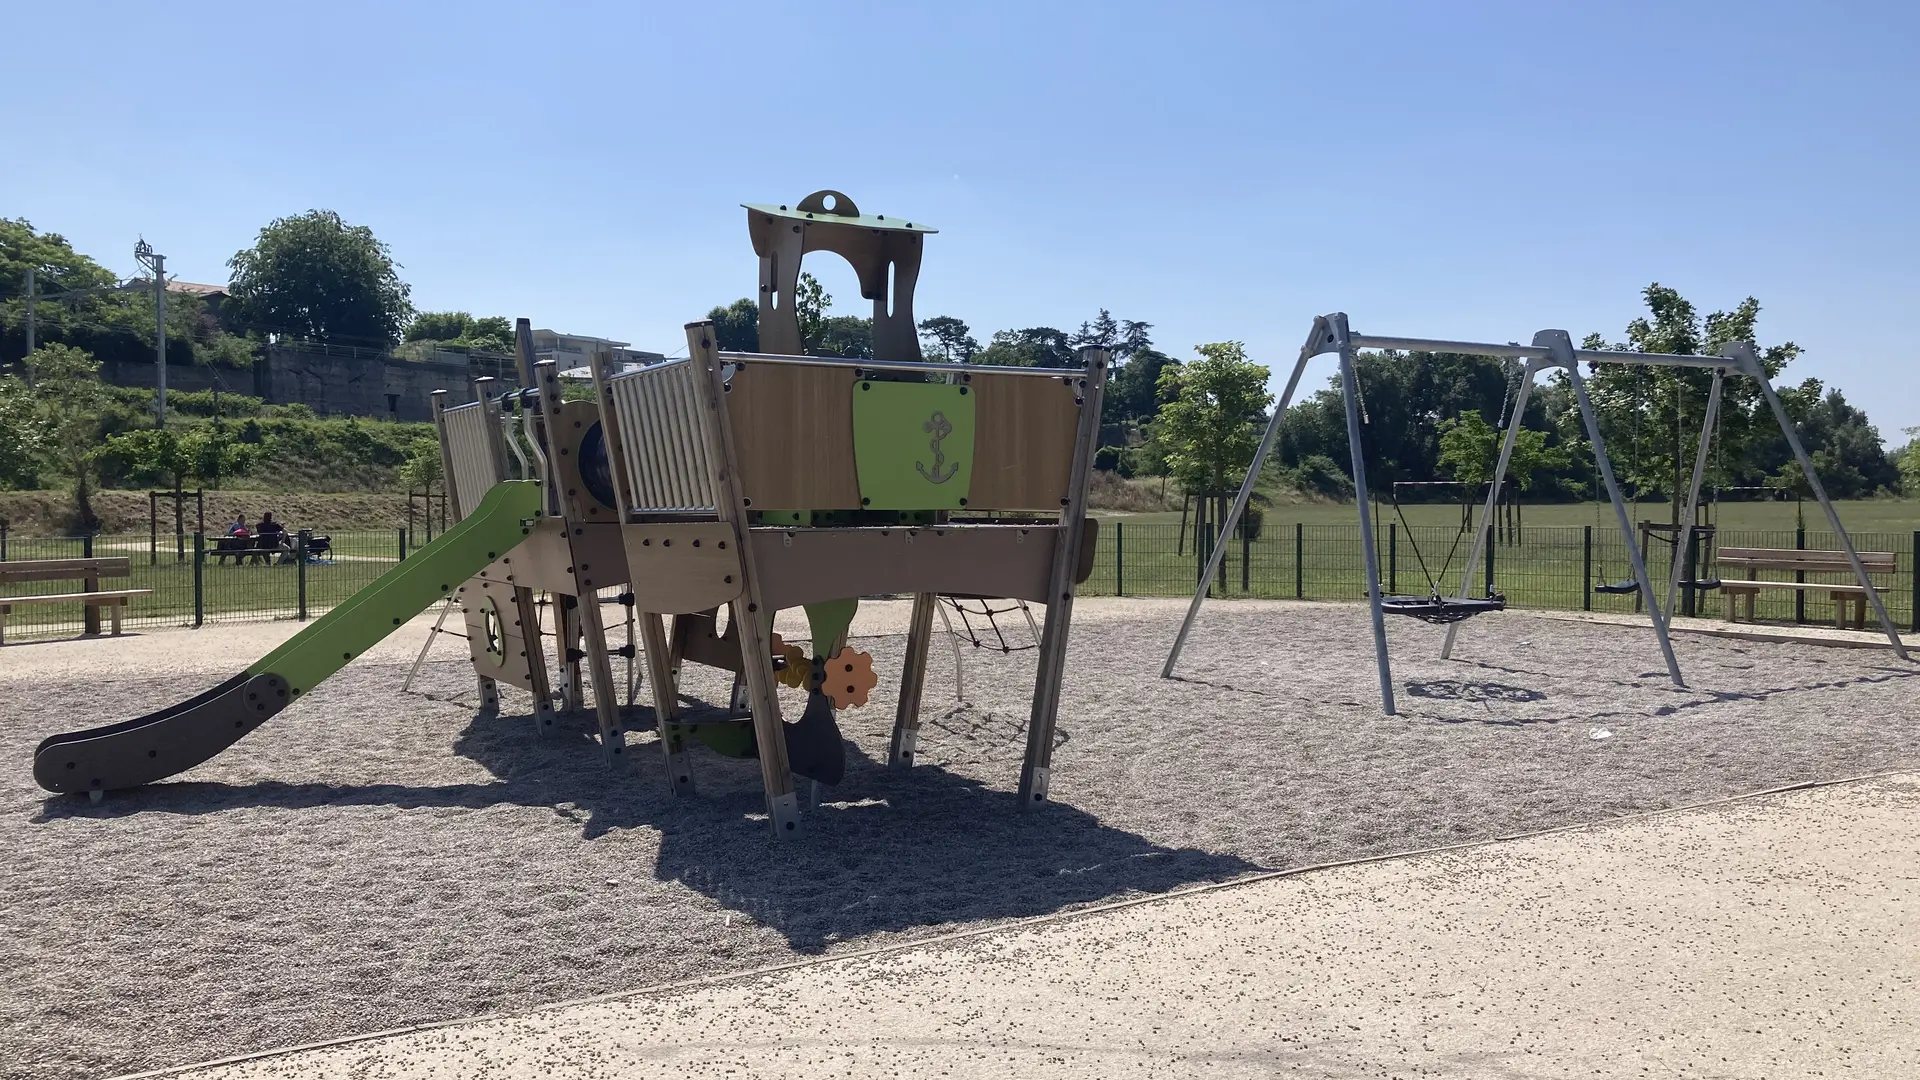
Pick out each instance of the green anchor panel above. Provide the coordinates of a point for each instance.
(913, 445)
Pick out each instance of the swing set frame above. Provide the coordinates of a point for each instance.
(1550, 349)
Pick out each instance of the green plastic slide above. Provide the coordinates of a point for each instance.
(160, 744)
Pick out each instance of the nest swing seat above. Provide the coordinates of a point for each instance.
(1441, 610)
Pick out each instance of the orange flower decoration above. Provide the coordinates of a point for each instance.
(849, 677)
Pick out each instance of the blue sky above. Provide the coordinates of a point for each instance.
(1220, 170)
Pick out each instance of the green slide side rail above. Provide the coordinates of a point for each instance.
(428, 575)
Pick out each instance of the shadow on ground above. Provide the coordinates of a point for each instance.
(884, 852)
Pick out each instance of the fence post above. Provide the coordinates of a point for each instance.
(1691, 596)
(1299, 560)
(1800, 595)
(1913, 570)
(403, 545)
(91, 613)
(1586, 569)
(1246, 557)
(300, 564)
(1393, 556)
(199, 579)
(1490, 548)
(1119, 559)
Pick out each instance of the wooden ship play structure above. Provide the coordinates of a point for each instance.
(746, 482)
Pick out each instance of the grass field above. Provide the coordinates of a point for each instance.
(1859, 515)
(1307, 551)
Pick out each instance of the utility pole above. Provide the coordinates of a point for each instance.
(157, 263)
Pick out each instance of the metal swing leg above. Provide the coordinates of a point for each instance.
(1685, 538)
(1319, 339)
(1493, 497)
(1560, 348)
(1742, 353)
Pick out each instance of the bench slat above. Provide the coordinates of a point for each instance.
(1803, 586)
(105, 597)
(64, 569)
(1876, 562)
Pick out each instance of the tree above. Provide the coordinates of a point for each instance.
(1651, 417)
(170, 457)
(460, 330)
(948, 337)
(1209, 427)
(71, 403)
(1470, 451)
(22, 436)
(422, 470)
(736, 327)
(1036, 346)
(847, 336)
(810, 304)
(1907, 459)
(316, 277)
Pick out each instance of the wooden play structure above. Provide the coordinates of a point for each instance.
(719, 482)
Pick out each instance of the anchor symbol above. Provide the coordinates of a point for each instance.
(939, 427)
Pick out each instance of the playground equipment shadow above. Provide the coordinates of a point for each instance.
(1058, 858)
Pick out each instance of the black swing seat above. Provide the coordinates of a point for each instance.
(1617, 588)
(1441, 609)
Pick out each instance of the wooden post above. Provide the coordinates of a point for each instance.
(756, 652)
(585, 620)
(1089, 389)
(913, 683)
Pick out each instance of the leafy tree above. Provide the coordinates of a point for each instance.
(811, 302)
(1845, 447)
(171, 457)
(736, 327)
(1209, 427)
(1134, 392)
(846, 336)
(423, 471)
(1907, 459)
(111, 326)
(1470, 450)
(948, 337)
(71, 403)
(316, 277)
(1651, 417)
(1036, 346)
(459, 329)
(22, 436)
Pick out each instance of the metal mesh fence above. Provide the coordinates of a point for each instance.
(1555, 568)
(194, 582)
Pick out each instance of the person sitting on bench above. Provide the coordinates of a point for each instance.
(269, 536)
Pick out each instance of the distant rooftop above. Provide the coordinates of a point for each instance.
(195, 288)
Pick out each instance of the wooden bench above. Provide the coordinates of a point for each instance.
(1849, 597)
(87, 571)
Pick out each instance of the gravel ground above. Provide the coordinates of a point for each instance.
(369, 859)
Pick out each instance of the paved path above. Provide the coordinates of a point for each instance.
(1770, 938)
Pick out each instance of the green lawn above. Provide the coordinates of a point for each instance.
(1858, 515)
(1310, 551)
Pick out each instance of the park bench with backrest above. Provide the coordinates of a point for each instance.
(88, 571)
(1849, 597)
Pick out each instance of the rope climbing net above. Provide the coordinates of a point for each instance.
(990, 617)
